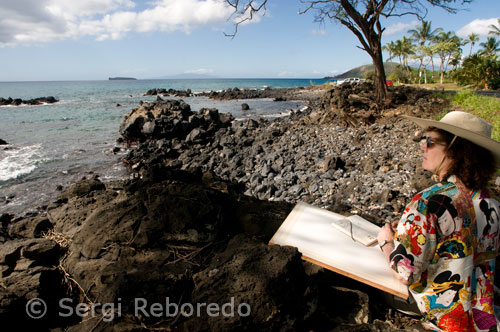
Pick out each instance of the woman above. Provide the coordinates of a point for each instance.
(445, 244)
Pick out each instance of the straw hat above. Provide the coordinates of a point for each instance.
(467, 126)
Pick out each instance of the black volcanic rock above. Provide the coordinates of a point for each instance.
(164, 127)
(192, 223)
(35, 101)
(185, 237)
(169, 92)
(329, 154)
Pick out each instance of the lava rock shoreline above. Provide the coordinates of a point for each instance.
(21, 102)
(300, 93)
(342, 153)
(193, 222)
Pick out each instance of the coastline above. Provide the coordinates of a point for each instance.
(206, 194)
(52, 146)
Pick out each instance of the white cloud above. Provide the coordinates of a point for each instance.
(71, 9)
(285, 74)
(247, 17)
(334, 72)
(319, 32)
(38, 21)
(399, 27)
(200, 71)
(478, 26)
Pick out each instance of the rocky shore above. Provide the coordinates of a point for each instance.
(342, 153)
(191, 225)
(34, 101)
(301, 93)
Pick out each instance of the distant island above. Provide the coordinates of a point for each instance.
(122, 78)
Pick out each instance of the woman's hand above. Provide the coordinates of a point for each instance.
(394, 224)
(385, 240)
(385, 234)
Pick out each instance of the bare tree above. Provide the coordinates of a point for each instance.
(361, 17)
(244, 11)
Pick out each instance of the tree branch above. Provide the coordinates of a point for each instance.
(250, 8)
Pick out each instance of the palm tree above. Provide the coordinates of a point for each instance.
(455, 60)
(472, 39)
(400, 49)
(447, 46)
(495, 30)
(490, 47)
(403, 48)
(432, 51)
(427, 51)
(422, 34)
(389, 48)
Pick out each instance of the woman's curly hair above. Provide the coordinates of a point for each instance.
(472, 164)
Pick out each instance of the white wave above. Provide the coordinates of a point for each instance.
(15, 162)
(29, 105)
(279, 115)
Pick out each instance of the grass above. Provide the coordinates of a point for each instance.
(487, 108)
(436, 86)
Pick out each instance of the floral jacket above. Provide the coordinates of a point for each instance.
(445, 246)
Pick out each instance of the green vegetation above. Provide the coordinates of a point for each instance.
(480, 70)
(362, 18)
(487, 108)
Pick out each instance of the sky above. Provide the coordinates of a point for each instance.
(47, 40)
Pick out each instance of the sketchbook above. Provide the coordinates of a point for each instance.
(356, 227)
(310, 229)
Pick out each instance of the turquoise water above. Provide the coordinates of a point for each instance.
(51, 145)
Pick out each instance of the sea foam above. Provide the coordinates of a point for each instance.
(15, 162)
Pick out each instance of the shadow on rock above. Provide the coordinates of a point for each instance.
(175, 250)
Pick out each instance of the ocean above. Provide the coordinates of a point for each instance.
(55, 145)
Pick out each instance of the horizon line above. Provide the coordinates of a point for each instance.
(164, 79)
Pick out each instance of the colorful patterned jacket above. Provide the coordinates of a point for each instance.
(445, 246)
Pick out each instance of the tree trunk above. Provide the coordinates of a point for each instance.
(419, 72)
(441, 70)
(371, 42)
(380, 84)
(408, 69)
(432, 61)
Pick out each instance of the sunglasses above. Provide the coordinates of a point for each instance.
(429, 142)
